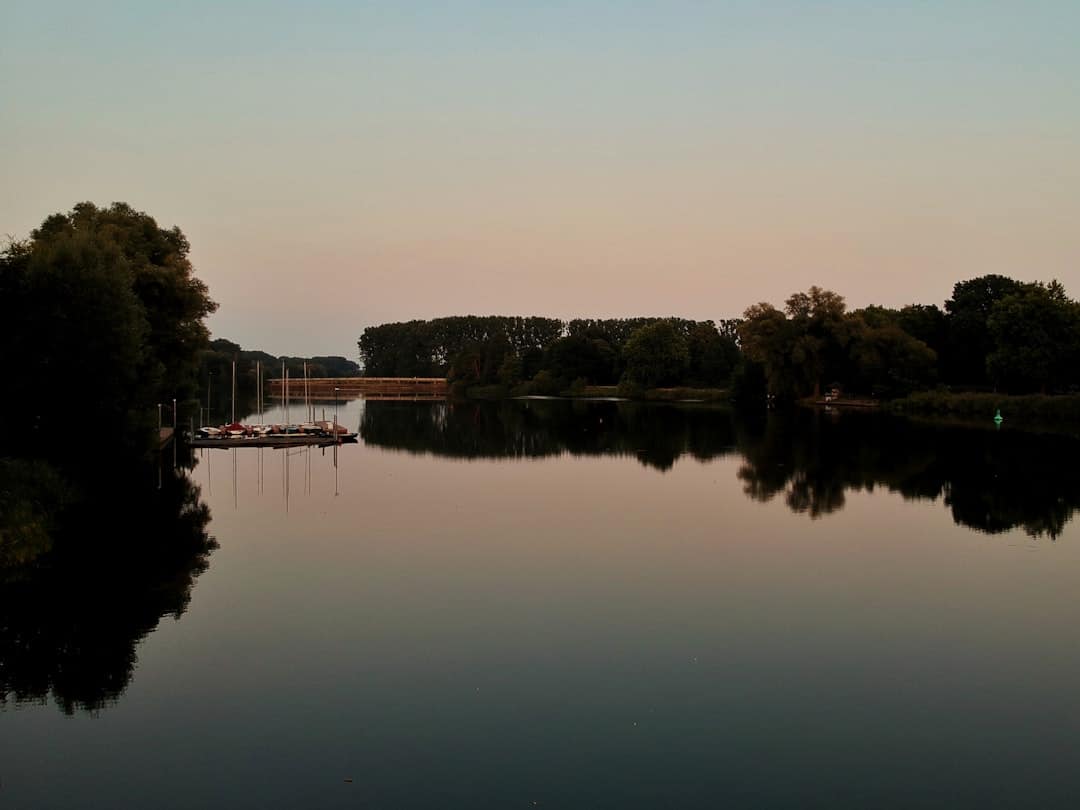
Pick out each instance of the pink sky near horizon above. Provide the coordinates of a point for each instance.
(351, 166)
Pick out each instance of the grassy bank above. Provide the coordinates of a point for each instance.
(681, 394)
(1062, 407)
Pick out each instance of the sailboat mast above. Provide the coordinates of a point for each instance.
(307, 400)
(234, 391)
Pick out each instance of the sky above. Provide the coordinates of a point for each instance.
(337, 165)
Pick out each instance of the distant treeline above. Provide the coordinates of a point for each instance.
(994, 333)
(215, 372)
(552, 354)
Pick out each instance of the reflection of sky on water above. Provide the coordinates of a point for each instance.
(583, 630)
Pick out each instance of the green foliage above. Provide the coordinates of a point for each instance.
(888, 362)
(713, 355)
(546, 384)
(767, 338)
(577, 355)
(656, 355)
(106, 317)
(1024, 335)
(801, 346)
(683, 394)
(32, 497)
(1035, 335)
(429, 348)
(926, 323)
(509, 350)
(467, 367)
(628, 389)
(487, 392)
(969, 338)
(749, 386)
(983, 405)
(511, 371)
(334, 366)
(821, 337)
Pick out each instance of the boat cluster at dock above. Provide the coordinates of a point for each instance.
(322, 429)
(314, 431)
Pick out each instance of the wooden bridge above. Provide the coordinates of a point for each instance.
(327, 388)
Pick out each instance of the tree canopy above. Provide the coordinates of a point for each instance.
(105, 316)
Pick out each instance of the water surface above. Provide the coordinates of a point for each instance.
(574, 605)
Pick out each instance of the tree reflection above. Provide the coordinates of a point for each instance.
(990, 480)
(654, 434)
(125, 555)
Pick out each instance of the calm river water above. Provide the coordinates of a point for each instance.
(575, 605)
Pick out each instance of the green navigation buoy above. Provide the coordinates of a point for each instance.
(998, 418)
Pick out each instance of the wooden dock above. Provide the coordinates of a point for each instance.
(327, 388)
(298, 440)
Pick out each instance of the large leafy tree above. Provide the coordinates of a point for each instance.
(767, 338)
(801, 346)
(656, 354)
(822, 335)
(105, 318)
(713, 354)
(577, 356)
(969, 338)
(888, 362)
(1035, 338)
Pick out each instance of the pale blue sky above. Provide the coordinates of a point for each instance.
(341, 164)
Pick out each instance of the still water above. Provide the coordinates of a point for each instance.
(572, 605)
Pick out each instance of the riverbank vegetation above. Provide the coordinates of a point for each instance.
(105, 318)
(546, 356)
(994, 335)
(104, 313)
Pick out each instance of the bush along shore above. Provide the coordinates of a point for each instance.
(622, 391)
(984, 405)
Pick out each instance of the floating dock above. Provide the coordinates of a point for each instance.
(292, 440)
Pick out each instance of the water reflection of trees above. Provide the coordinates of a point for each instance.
(125, 555)
(655, 435)
(990, 480)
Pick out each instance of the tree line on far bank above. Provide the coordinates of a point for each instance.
(549, 354)
(216, 368)
(993, 333)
